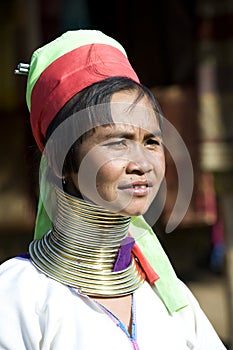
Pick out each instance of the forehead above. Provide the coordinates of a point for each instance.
(134, 131)
(133, 118)
(139, 114)
(126, 130)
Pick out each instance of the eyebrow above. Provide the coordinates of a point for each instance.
(156, 133)
(130, 135)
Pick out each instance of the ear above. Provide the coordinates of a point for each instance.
(71, 184)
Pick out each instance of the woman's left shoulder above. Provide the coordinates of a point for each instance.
(193, 318)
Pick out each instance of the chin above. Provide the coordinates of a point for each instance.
(134, 207)
(127, 207)
(134, 210)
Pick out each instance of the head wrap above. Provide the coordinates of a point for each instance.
(64, 67)
(58, 71)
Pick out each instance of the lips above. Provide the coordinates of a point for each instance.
(135, 184)
(138, 188)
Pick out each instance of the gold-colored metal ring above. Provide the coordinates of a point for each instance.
(81, 250)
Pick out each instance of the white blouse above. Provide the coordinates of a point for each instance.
(38, 313)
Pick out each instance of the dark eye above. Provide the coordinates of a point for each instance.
(153, 142)
(117, 144)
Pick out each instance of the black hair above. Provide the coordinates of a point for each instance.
(98, 94)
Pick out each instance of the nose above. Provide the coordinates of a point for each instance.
(139, 162)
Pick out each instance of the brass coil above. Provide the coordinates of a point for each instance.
(81, 249)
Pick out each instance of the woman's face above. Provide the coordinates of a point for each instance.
(121, 166)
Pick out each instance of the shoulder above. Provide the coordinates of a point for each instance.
(22, 282)
(15, 265)
(197, 324)
(190, 320)
(18, 279)
(18, 271)
(14, 269)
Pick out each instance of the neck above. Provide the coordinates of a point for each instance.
(82, 248)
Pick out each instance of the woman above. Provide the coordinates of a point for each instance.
(96, 277)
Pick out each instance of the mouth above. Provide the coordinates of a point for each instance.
(136, 188)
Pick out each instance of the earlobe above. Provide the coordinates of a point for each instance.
(71, 185)
(63, 180)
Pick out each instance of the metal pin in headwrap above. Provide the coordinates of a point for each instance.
(22, 69)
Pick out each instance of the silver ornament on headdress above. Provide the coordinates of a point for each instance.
(22, 69)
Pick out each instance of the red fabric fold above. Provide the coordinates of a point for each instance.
(147, 268)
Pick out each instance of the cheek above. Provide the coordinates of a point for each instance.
(159, 164)
(163, 164)
(109, 173)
